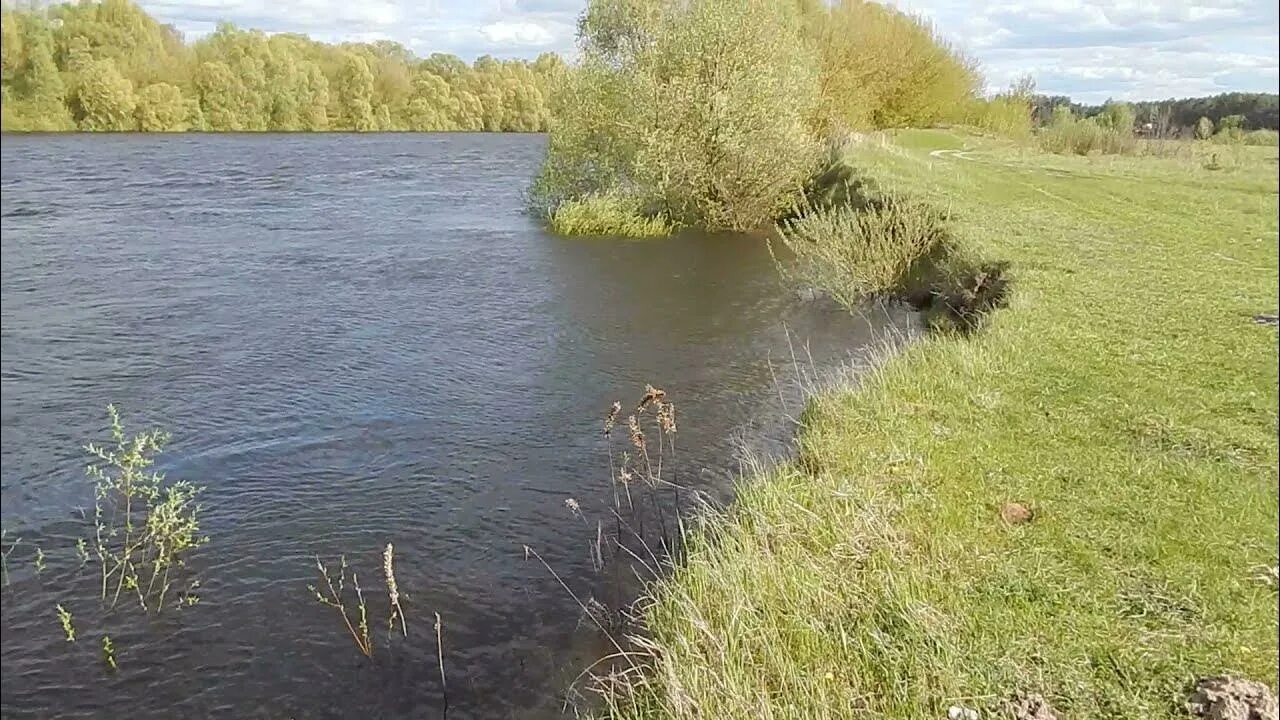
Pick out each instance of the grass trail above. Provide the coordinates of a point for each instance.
(1125, 396)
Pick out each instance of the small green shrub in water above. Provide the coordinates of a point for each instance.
(144, 525)
(64, 618)
(607, 214)
(851, 254)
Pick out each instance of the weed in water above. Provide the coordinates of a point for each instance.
(444, 686)
(64, 617)
(4, 555)
(393, 591)
(335, 598)
(144, 526)
(109, 653)
(39, 560)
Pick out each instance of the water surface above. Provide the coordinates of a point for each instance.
(354, 340)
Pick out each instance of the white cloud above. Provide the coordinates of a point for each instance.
(521, 34)
(1090, 49)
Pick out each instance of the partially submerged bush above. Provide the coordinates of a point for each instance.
(607, 214)
(702, 107)
(851, 254)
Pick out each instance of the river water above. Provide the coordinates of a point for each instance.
(353, 340)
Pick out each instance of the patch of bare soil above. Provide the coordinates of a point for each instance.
(1033, 707)
(1227, 698)
(1016, 513)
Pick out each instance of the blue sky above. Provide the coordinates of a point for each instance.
(1088, 49)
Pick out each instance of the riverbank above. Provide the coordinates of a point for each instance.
(1079, 502)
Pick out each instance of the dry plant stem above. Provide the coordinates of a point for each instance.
(530, 551)
(444, 686)
(4, 559)
(335, 601)
(393, 590)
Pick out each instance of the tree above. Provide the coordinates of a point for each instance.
(314, 101)
(449, 67)
(880, 67)
(221, 96)
(160, 108)
(730, 90)
(432, 107)
(1117, 116)
(355, 94)
(1231, 122)
(45, 94)
(700, 107)
(11, 50)
(1204, 128)
(194, 116)
(105, 99)
(470, 111)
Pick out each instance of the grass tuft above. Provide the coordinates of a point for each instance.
(852, 254)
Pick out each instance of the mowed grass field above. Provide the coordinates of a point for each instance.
(1126, 397)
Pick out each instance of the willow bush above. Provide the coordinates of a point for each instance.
(716, 111)
(881, 67)
(702, 108)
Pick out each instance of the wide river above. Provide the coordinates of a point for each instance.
(354, 340)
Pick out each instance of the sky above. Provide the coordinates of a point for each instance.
(1091, 50)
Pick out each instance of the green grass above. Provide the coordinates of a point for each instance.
(1125, 395)
(606, 214)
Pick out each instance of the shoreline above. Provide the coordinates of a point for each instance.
(884, 574)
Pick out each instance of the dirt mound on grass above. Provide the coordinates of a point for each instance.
(1228, 698)
(1033, 707)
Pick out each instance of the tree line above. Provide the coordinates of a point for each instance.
(1246, 111)
(110, 66)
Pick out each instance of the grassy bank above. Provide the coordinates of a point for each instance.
(1126, 397)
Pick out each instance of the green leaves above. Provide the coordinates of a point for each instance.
(144, 525)
(109, 69)
(699, 108)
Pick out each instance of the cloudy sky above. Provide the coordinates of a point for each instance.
(1089, 49)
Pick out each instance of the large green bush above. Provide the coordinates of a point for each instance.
(702, 108)
(715, 110)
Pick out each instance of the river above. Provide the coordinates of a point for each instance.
(354, 340)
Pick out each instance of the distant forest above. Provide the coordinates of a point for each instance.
(1258, 111)
(110, 66)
